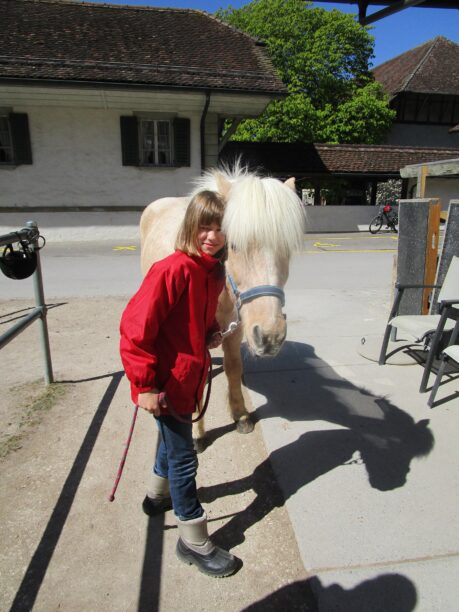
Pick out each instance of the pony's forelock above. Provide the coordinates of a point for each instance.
(263, 212)
(260, 212)
(210, 178)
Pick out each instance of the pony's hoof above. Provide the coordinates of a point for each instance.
(244, 425)
(199, 444)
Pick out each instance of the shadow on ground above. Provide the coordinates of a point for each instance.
(299, 386)
(36, 570)
(387, 592)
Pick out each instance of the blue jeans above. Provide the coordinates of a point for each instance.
(176, 460)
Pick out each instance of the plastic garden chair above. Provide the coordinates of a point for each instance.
(427, 329)
(450, 353)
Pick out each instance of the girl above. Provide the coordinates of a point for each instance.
(165, 331)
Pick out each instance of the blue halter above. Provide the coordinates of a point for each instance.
(251, 294)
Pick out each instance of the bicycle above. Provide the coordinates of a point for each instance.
(388, 215)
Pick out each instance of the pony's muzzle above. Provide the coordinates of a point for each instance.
(268, 343)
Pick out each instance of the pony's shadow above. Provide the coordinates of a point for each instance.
(298, 386)
(383, 593)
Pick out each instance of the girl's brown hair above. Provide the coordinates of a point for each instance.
(205, 208)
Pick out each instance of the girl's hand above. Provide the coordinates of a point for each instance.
(215, 340)
(149, 401)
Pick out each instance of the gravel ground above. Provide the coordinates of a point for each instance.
(65, 547)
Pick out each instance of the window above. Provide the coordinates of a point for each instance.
(15, 146)
(6, 145)
(155, 142)
(424, 108)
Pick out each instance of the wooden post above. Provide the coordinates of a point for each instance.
(430, 270)
(421, 184)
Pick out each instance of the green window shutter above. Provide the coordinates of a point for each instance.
(182, 142)
(129, 141)
(22, 150)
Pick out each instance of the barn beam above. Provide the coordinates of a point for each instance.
(229, 132)
(390, 10)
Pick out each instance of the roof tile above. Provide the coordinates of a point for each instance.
(63, 40)
(301, 159)
(430, 68)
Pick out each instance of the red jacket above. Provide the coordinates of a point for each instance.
(166, 325)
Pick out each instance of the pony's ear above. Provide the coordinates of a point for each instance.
(223, 186)
(290, 182)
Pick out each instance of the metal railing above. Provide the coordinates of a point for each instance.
(30, 234)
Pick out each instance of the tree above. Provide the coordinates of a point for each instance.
(322, 57)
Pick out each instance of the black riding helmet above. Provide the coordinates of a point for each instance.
(18, 264)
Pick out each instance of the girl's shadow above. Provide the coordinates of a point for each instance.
(300, 387)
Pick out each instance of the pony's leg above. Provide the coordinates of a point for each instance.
(199, 432)
(199, 435)
(232, 364)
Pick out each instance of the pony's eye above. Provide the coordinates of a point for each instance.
(233, 247)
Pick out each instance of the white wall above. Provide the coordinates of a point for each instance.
(77, 162)
(76, 143)
(443, 188)
(446, 188)
(322, 219)
(77, 226)
(124, 226)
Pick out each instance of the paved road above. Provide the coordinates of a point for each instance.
(84, 269)
(384, 242)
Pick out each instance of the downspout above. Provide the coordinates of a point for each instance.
(203, 131)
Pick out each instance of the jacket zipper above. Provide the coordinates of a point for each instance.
(203, 371)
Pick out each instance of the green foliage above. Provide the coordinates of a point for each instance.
(363, 118)
(389, 192)
(322, 57)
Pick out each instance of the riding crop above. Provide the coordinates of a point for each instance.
(123, 458)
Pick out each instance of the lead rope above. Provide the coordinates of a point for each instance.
(164, 402)
(111, 497)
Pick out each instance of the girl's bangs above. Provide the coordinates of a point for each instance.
(211, 213)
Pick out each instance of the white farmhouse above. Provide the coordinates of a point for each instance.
(104, 108)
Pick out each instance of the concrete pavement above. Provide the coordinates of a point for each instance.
(367, 471)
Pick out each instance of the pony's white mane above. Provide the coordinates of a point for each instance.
(260, 212)
(210, 178)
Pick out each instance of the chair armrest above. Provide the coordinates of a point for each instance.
(396, 304)
(400, 288)
(451, 307)
(446, 303)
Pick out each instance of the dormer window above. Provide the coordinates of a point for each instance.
(427, 108)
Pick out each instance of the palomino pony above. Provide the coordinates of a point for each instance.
(264, 225)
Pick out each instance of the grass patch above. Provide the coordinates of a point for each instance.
(35, 401)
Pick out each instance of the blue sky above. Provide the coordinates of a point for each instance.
(393, 35)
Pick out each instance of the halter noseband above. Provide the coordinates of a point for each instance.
(254, 292)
